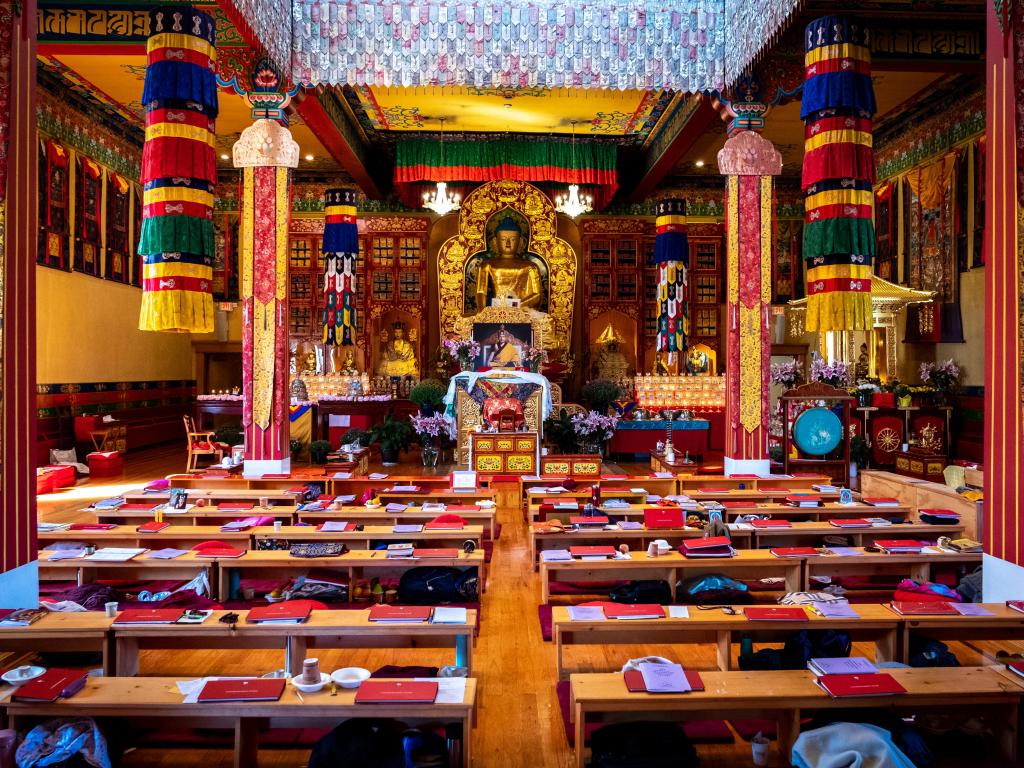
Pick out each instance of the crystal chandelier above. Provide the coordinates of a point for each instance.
(574, 204)
(439, 201)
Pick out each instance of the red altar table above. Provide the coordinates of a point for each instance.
(641, 436)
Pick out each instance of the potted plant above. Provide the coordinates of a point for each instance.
(295, 445)
(430, 430)
(561, 432)
(533, 358)
(600, 394)
(788, 374)
(463, 351)
(355, 438)
(428, 395)
(860, 453)
(593, 430)
(835, 374)
(904, 397)
(318, 451)
(393, 437)
(229, 434)
(943, 377)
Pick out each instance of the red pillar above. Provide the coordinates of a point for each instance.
(266, 152)
(1004, 334)
(749, 162)
(19, 201)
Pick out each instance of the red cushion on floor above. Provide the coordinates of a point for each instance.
(583, 587)
(544, 615)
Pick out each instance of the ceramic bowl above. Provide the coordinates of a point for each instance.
(307, 688)
(350, 677)
(22, 674)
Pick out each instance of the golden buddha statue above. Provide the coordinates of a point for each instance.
(610, 362)
(398, 357)
(507, 273)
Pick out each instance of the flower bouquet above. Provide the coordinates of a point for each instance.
(593, 430)
(835, 374)
(788, 374)
(944, 376)
(462, 351)
(429, 429)
(534, 358)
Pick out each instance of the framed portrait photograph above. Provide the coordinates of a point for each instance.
(502, 344)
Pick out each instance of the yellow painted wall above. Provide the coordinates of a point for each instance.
(88, 330)
(970, 355)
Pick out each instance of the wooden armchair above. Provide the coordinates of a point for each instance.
(201, 443)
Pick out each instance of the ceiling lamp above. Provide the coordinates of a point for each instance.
(440, 202)
(574, 204)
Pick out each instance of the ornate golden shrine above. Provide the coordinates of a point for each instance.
(538, 210)
(469, 416)
(540, 322)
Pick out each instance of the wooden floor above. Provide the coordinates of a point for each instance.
(519, 725)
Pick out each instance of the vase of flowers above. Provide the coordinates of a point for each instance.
(431, 430)
(943, 377)
(462, 351)
(788, 374)
(835, 374)
(593, 430)
(865, 393)
(533, 358)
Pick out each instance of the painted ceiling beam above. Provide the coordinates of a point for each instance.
(683, 126)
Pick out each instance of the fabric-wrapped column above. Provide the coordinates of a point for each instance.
(340, 251)
(838, 173)
(749, 162)
(179, 171)
(672, 257)
(266, 152)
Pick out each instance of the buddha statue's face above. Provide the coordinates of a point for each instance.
(508, 244)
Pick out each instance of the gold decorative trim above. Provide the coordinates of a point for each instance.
(557, 254)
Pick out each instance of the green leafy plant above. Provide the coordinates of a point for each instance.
(775, 453)
(562, 432)
(393, 436)
(318, 451)
(231, 434)
(428, 394)
(860, 453)
(295, 445)
(601, 393)
(356, 435)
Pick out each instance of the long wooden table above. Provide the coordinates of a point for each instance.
(534, 497)
(827, 511)
(272, 563)
(785, 696)
(323, 629)
(380, 516)
(155, 700)
(637, 539)
(748, 563)
(78, 631)
(804, 532)
(213, 495)
(194, 516)
(85, 571)
(441, 537)
(1004, 624)
(918, 567)
(876, 624)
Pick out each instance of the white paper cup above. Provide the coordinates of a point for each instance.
(110, 609)
(759, 746)
(277, 525)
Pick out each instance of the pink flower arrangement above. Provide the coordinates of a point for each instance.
(944, 376)
(434, 426)
(462, 351)
(594, 426)
(534, 356)
(836, 374)
(787, 374)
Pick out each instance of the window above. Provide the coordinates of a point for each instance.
(88, 217)
(650, 285)
(383, 286)
(119, 250)
(54, 191)
(301, 287)
(299, 321)
(409, 285)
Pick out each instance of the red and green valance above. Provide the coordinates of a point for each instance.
(594, 165)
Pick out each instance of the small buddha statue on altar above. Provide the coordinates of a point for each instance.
(398, 356)
(348, 367)
(610, 362)
(505, 273)
(309, 366)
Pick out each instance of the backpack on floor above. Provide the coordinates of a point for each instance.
(713, 589)
(433, 584)
(642, 744)
(648, 591)
(359, 743)
(925, 652)
(807, 644)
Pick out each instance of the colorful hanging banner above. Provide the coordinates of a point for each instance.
(340, 251)
(672, 257)
(179, 171)
(838, 172)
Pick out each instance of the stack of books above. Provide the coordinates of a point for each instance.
(715, 546)
(852, 677)
(803, 500)
(900, 546)
(399, 550)
(881, 501)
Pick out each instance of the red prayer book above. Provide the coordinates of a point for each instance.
(289, 610)
(389, 691)
(903, 545)
(247, 689)
(634, 680)
(410, 613)
(744, 477)
(276, 476)
(933, 608)
(152, 527)
(633, 611)
(148, 616)
(716, 546)
(876, 684)
(887, 501)
(234, 507)
(771, 523)
(712, 490)
(1016, 605)
(348, 527)
(55, 683)
(229, 552)
(850, 522)
(663, 518)
(444, 525)
(92, 526)
(589, 520)
(794, 551)
(461, 508)
(592, 551)
(778, 613)
(441, 552)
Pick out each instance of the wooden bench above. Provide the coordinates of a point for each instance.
(143, 566)
(212, 496)
(155, 701)
(534, 498)
(178, 536)
(748, 563)
(380, 516)
(78, 631)
(827, 511)
(918, 567)
(279, 563)
(786, 696)
(1005, 624)
(876, 624)
(637, 539)
(804, 532)
(440, 537)
(323, 629)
